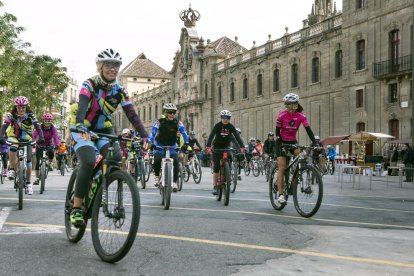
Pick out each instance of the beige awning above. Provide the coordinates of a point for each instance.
(369, 136)
(332, 140)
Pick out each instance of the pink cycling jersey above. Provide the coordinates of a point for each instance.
(289, 124)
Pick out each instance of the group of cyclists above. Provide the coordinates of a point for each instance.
(18, 126)
(100, 96)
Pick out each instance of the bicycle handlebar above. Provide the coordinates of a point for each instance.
(23, 143)
(97, 135)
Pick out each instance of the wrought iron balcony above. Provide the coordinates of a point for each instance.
(392, 68)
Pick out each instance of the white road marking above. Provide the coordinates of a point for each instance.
(4, 213)
(30, 230)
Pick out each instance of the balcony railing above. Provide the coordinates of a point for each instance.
(392, 68)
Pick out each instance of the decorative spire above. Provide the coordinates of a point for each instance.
(189, 17)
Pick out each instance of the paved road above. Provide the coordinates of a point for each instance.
(359, 232)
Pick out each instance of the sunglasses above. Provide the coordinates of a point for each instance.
(170, 111)
(292, 104)
(21, 107)
(226, 117)
(112, 65)
(47, 121)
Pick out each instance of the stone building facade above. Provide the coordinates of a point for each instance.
(352, 71)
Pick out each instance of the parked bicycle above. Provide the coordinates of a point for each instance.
(301, 180)
(44, 166)
(112, 203)
(166, 176)
(20, 179)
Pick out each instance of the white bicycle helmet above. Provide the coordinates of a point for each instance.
(291, 98)
(317, 138)
(108, 55)
(238, 130)
(252, 139)
(126, 131)
(169, 106)
(225, 112)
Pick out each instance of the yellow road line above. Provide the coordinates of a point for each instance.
(253, 213)
(245, 246)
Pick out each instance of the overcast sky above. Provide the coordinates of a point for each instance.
(75, 31)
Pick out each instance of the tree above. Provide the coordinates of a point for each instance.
(38, 77)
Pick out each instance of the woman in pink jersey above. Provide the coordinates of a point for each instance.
(287, 124)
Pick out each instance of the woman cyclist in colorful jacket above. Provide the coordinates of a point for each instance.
(99, 97)
(51, 138)
(21, 120)
(287, 125)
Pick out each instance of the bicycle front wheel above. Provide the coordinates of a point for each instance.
(114, 233)
(21, 183)
(42, 177)
(148, 169)
(74, 234)
(307, 191)
(62, 167)
(180, 176)
(273, 189)
(197, 173)
(140, 170)
(166, 190)
(246, 168)
(234, 175)
(256, 169)
(227, 184)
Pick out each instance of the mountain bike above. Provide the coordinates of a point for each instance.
(20, 179)
(44, 166)
(301, 180)
(148, 165)
(136, 159)
(112, 204)
(234, 169)
(224, 180)
(62, 168)
(166, 175)
(258, 166)
(193, 168)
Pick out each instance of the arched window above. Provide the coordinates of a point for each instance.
(338, 64)
(276, 81)
(206, 91)
(259, 85)
(232, 92)
(360, 127)
(144, 118)
(315, 70)
(219, 95)
(156, 111)
(294, 82)
(245, 88)
(150, 113)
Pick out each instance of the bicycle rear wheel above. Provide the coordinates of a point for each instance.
(273, 189)
(42, 177)
(197, 173)
(114, 233)
(74, 234)
(308, 191)
(227, 184)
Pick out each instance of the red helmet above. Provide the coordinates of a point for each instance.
(47, 116)
(21, 101)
